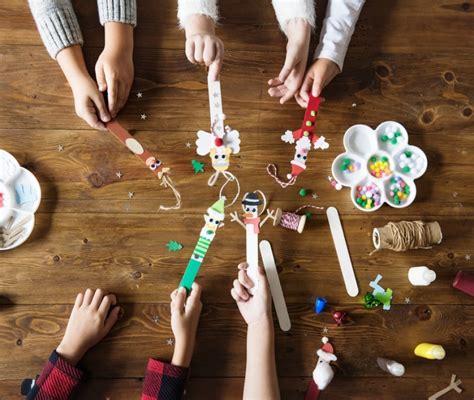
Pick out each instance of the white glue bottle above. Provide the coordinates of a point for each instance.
(421, 276)
(390, 366)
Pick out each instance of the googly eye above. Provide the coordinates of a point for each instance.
(247, 209)
(298, 155)
(217, 222)
(254, 210)
(223, 156)
(216, 157)
(211, 220)
(304, 157)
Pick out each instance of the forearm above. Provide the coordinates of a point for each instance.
(187, 8)
(183, 352)
(337, 30)
(287, 10)
(119, 37)
(71, 61)
(261, 380)
(198, 24)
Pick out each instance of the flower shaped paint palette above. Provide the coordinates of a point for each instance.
(20, 196)
(379, 166)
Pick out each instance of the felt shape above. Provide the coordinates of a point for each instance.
(25, 194)
(197, 166)
(370, 301)
(173, 245)
(213, 221)
(320, 305)
(384, 296)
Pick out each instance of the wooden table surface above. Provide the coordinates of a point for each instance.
(410, 61)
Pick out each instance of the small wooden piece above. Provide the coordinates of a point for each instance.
(453, 385)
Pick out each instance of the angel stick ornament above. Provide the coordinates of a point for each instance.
(220, 142)
(304, 139)
(154, 164)
(213, 220)
(253, 207)
(323, 372)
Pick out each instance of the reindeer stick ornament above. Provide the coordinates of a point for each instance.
(221, 142)
(251, 223)
(143, 154)
(303, 139)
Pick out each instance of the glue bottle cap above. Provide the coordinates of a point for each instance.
(396, 369)
(429, 275)
(438, 352)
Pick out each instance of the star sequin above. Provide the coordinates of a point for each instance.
(170, 342)
(139, 95)
(188, 145)
(407, 300)
(325, 330)
(60, 147)
(131, 195)
(119, 174)
(467, 257)
(143, 117)
(315, 196)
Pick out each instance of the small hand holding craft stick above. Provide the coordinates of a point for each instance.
(143, 154)
(251, 223)
(453, 385)
(213, 220)
(303, 138)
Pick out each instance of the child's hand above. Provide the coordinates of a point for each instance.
(257, 307)
(288, 82)
(89, 102)
(185, 313)
(202, 45)
(89, 322)
(114, 67)
(318, 76)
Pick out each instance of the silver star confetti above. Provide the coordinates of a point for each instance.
(139, 95)
(155, 319)
(60, 147)
(188, 145)
(170, 342)
(354, 105)
(315, 196)
(407, 300)
(467, 257)
(143, 116)
(455, 194)
(119, 174)
(325, 330)
(131, 195)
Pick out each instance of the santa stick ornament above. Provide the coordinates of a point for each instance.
(220, 142)
(143, 154)
(323, 373)
(213, 220)
(303, 138)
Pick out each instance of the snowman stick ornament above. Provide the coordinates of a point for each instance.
(252, 223)
(303, 139)
(150, 161)
(213, 220)
(323, 372)
(220, 142)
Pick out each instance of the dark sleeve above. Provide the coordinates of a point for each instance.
(58, 380)
(164, 381)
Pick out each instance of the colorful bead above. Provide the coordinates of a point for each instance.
(392, 135)
(399, 191)
(368, 196)
(379, 166)
(410, 162)
(303, 192)
(349, 165)
(309, 123)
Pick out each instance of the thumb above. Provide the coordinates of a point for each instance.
(100, 77)
(288, 66)
(100, 105)
(111, 319)
(215, 69)
(317, 87)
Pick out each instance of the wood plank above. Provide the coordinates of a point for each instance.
(342, 388)
(29, 333)
(131, 259)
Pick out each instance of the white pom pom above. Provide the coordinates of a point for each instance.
(325, 339)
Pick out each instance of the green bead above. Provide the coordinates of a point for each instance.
(408, 153)
(394, 141)
(308, 215)
(373, 158)
(384, 138)
(309, 123)
(313, 113)
(396, 200)
(384, 159)
(303, 192)
(398, 133)
(406, 169)
(393, 180)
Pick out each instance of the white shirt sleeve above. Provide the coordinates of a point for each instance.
(337, 30)
(289, 9)
(200, 7)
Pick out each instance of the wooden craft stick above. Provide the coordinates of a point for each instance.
(453, 385)
(251, 250)
(136, 148)
(215, 106)
(342, 252)
(275, 285)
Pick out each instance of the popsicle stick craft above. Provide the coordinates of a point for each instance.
(213, 221)
(220, 142)
(154, 164)
(252, 223)
(303, 139)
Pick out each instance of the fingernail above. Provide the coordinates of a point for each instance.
(182, 289)
(105, 118)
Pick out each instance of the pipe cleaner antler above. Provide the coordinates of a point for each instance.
(153, 163)
(303, 139)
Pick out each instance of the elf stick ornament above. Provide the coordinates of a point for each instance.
(303, 139)
(221, 142)
(213, 220)
(143, 154)
(251, 223)
(323, 373)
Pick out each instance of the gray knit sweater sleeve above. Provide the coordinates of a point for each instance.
(58, 26)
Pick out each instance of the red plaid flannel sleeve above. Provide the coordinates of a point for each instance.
(58, 380)
(164, 381)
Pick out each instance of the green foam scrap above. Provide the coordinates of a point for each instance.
(173, 245)
(370, 301)
(197, 166)
(408, 153)
(385, 297)
(303, 192)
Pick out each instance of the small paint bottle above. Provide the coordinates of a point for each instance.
(390, 366)
(421, 276)
(430, 351)
(464, 281)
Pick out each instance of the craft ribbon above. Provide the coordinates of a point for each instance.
(143, 154)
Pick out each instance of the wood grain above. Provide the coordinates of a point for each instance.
(409, 61)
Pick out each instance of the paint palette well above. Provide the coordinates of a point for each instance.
(20, 197)
(379, 166)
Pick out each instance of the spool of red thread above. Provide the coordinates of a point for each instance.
(464, 281)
